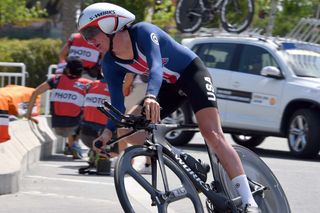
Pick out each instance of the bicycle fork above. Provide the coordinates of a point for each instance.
(158, 149)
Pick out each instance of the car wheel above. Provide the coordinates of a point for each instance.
(304, 133)
(249, 141)
(181, 116)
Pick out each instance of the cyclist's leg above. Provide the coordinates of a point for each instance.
(197, 84)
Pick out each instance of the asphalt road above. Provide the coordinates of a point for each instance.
(54, 186)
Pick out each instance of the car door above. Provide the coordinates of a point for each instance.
(217, 58)
(255, 100)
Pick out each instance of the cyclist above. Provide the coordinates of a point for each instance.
(175, 74)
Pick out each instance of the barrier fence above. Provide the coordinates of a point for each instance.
(17, 78)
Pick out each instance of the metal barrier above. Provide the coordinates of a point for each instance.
(13, 78)
(51, 70)
(306, 30)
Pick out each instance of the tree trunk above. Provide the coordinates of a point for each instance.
(69, 19)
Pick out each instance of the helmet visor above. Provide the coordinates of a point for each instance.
(90, 33)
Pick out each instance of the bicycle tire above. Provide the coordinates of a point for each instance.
(124, 170)
(231, 21)
(274, 199)
(188, 15)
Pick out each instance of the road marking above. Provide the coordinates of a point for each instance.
(69, 180)
(63, 196)
(49, 165)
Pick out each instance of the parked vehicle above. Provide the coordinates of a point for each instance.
(265, 87)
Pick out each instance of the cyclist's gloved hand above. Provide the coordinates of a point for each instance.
(99, 144)
(152, 109)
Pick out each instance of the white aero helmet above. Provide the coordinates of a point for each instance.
(110, 18)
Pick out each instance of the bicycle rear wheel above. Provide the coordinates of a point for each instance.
(236, 15)
(188, 15)
(134, 190)
(274, 199)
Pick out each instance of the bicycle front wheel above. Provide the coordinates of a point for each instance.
(142, 193)
(188, 15)
(274, 199)
(236, 15)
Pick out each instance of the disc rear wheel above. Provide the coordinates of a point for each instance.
(273, 198)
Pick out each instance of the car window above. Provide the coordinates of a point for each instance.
(253, 59)
(215, 55)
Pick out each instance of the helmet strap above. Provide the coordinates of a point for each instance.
(110, 41)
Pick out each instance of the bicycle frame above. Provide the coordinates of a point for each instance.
(157, 142)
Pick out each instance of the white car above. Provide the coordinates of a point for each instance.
(265, 87)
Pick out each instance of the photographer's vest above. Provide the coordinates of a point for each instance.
(88, 54)
(68, 97)
(97, 92)
(4, 119)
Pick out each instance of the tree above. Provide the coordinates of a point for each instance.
(288, 13)
(16, 12)
(69, 19)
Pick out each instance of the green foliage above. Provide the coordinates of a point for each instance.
(288, 14)
(15, 12)
(36, 54)
(163, 16)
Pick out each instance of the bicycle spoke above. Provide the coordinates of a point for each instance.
(143, 182)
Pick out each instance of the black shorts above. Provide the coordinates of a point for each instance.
(194, 85)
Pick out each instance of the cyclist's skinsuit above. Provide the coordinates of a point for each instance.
(174, 72)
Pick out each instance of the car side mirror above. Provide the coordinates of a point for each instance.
(271, 71)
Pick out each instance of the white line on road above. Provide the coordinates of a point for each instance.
(68, 180)
(62, 196)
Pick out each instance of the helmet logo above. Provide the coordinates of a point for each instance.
(103, 13)
(154, 38)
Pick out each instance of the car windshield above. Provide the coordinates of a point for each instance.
(305, 63)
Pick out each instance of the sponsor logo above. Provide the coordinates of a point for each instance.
(165, 61)
(103, 13)
(192, 173)
(79, 85)
(154, 38)
(237, 185)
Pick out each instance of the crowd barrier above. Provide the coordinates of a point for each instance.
(29, 143)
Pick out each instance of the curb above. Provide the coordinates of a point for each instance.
(29, 143)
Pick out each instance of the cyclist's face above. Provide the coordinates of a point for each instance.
(101, 41)
(97, 39)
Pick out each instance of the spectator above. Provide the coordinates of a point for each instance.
(66, 102)
(93, 120)
(90, 56)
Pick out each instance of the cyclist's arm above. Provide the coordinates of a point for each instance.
(150, 45)
(114, 79)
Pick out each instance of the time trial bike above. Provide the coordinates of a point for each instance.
(235, 15)
(177, 179)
